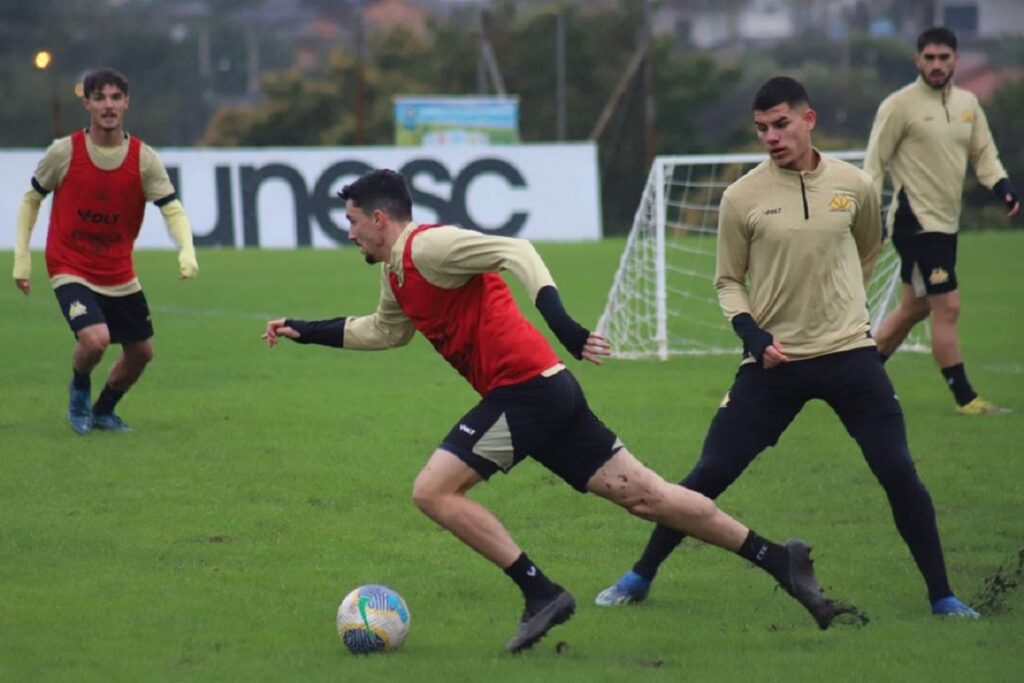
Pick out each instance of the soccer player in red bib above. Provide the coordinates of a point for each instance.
(444, 282)
(101, 178)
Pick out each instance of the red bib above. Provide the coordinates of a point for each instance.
(96, 217)
(476, 327)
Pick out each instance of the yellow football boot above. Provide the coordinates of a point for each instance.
(980, 406)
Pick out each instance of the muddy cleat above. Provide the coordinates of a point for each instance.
(539, 619)
(803, 585)
(980, 406)
(630, 588)
(951, 607)
(79, 410)
(109, 422)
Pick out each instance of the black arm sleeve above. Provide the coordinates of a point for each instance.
(572, 335)
(755, 340)
(326, 332)
(1003, 188)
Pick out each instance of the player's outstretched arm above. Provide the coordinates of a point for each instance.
(324, 332)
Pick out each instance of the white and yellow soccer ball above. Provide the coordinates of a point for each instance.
(373, 618)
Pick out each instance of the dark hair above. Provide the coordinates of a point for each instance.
(937, 35)
(97, 78)
(780, 90)
(381, 189)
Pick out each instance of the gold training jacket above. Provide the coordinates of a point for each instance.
(926, 137)
(794, 251)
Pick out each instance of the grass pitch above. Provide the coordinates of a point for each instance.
(215, 542)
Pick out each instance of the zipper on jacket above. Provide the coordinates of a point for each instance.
(944, 107)
(803, 193)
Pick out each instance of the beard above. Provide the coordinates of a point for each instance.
(938, 86)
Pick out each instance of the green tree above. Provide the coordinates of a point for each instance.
(319, 108)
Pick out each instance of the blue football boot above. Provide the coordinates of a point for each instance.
(630, 588)
(109, 422)
(79, 410)
(951, 607)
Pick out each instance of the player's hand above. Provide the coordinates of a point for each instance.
(1008, 195)
(595, 348)
(187, 265)
(773, 356)
(24, 284)
(1013, 202)
(277, 328)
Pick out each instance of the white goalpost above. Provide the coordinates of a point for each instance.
(663, 301)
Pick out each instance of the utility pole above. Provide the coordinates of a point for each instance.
(360, 75)
(487, 67)
(650, 113)
(560, 113)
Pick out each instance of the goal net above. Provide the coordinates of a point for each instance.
(663, 301)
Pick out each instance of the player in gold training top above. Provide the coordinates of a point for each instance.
(102, 178)
(443, 282)
(925, 133)
(797, 238)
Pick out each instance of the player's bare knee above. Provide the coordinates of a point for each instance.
(94, 344)
(423, 497)
(429, 499)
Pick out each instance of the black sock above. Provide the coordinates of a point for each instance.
(531, 579)
(108, 399)
(662, 542)
(769, 556)
(956, 379)
(80, 381)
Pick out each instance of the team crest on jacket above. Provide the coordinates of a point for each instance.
(967, 117)
(938, 276)
(76, 309)
(841, 202)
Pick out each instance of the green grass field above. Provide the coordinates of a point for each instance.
(215, 542)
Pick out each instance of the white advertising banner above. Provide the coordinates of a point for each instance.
(287, 197)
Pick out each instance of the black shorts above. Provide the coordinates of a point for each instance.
(127, 317)
(546, 418)
(927, 261)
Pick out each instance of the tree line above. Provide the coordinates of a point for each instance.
(701, 100)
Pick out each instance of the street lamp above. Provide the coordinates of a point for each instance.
(43, 60)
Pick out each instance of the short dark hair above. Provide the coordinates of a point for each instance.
(97, 78)
(780, 90)
(937, 35)
(381, 189)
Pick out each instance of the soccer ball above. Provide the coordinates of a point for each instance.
(372, 618)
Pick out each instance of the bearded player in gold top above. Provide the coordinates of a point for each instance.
(925, 134)
(797, 239)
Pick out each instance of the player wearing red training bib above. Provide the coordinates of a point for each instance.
(101, 178)
(444, 282)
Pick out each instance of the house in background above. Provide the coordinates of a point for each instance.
(981, 18)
